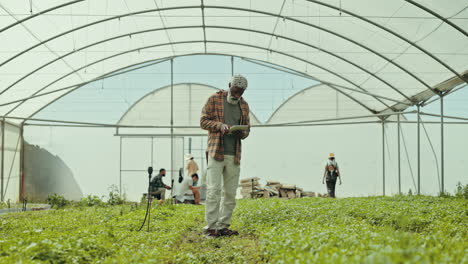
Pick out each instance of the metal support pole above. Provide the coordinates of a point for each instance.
(190, 145)
(120, 167)
(419, 151)
(190, 105)
(152, 152)
(3, 159)
(22, 172)
(232, 65)
(383, 157)
(182, 154)
(399, 159)
(442, 142)
(172, 119)
(252, 193)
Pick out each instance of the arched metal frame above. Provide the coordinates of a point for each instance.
(324, 85)
(203, 14)
(203, 7)
(300, 74)
(438, 16)
(168, 87)
(290, 98)
(219, 42)
(217, 27)
(157, 61)
(123, 70)
(395, 33)
(265, 13)
(40, 13)
(74, 87)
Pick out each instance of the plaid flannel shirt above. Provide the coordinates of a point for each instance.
(213, 117)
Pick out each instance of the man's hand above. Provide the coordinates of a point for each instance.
(340, 180)
(224, 129)
(168, 187)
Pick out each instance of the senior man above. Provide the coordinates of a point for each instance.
(223, 110)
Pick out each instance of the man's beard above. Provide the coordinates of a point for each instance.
(231, 99)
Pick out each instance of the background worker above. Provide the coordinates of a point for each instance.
(331, 174)
(158, 188)
(191, 166)
(189, 192)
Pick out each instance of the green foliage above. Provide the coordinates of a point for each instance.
(400, 229)
(57, 201)
(461, 191)
(444, 194)
(91, 200)
(114, 196)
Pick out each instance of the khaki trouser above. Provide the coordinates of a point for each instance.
(160, 192)
(222, 179)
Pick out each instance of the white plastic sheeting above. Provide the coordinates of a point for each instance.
(11, 162)
(155, 109)
(318, 102)
(395, 49)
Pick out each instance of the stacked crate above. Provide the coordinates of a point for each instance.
(250, 188)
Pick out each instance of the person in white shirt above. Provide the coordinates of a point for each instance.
(188, 191)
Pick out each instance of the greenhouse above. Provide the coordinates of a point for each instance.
(94, 92)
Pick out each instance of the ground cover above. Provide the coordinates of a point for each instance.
(400, 229)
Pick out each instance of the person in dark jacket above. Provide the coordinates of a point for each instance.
(331, 174)
(158, 187)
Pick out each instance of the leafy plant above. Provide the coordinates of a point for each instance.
(57, 201)
(115, 198)
(91, 200)
(461, 191)
(400, 229)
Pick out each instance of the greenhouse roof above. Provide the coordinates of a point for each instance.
(383, 55)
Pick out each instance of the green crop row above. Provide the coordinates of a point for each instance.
(400, 229)
(360, 230)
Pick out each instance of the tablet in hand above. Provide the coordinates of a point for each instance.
(238, 128)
